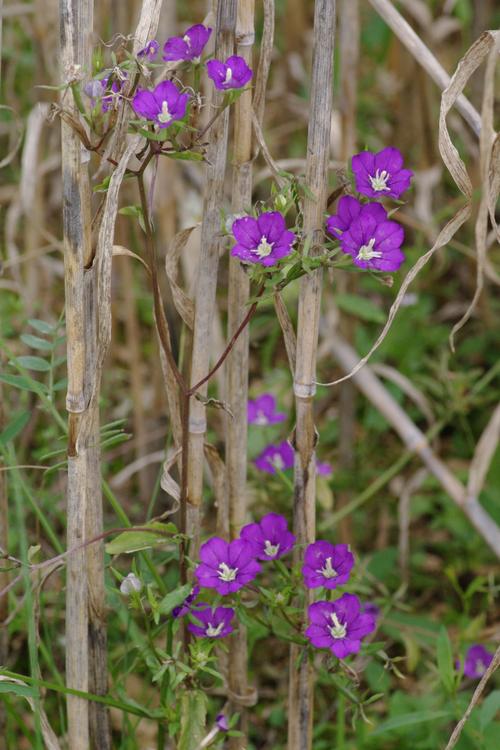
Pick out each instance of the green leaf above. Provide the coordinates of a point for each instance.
(33, 363)
(42, 326)
(35, 342)
(361, 307)
(133, 541)
(25, 384)
(193, 717)
(131, 211)
(12, 687)
(406, 720)
(15, 427)
(489, 709)
(174, 599)
(445, 660)
(185, 155)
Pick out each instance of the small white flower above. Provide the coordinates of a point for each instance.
(129, 584)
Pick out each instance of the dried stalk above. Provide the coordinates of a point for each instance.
(300, 711)
(207, 276)
(416, 441)
(237, 362)
(76, 21)
(425, 58)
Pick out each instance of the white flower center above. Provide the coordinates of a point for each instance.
(379, 182)
(264, 248)
(338, 629)
(165, 115)
(328, 571)
(229, 75)
(261, 418)
(226, 573)
(214, 632)
(366, 252)
(277, 462)
(187, 40)
(271, 550)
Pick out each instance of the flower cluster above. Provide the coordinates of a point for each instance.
(275, 457)
(364, 229)
(338, 625)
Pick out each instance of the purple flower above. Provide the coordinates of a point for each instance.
(233, 74)
(327, 565)
(221, 723)
(262, 410)
(275, 457)
(226, 566)
(339, 626)
(270, 538)
(149, 51)
(163, 105)
(264, 240)
(369, 608)
(215, 623)
(185, 607)
(476, 662)
(348, 210)
(373, 241)
(381, 175)
(324, 469)
(187, 47)
(99, 89)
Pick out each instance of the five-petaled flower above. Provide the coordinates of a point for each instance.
(339, 625)
(150, 51)
(264, 240)
(226, 566)
(348, 210)
(373, 241)
(381, 175)
(185, 607)
(327, 565)
(163, 105)
(262, 410)
(233, 74)
(187, 47)
(214, 623)
(476, 662)
(275, 457)
(270, 538)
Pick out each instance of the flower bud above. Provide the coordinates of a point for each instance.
(129, 584)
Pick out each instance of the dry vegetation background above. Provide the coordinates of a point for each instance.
(394, 500)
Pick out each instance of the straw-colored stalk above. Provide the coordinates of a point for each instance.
(237, 362)
(348, 39)
(4, 577)
(207, 275)
(300, 706)
(86, 662)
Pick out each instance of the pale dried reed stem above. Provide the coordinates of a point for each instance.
(237, 362)
(207, 275)
(75, 27)
(300, 705)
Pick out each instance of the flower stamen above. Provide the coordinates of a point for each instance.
(338, 629)
(214, 632)
(366, 252)
(226, 573)
(271, 550)
(264, 247)
(379, 182)
(328, 571)
(165, 115)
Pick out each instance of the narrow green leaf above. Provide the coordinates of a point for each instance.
(361, 307)
(193, 717)
(489, 709)
(174, 599)
(25, 384)
(406, 720)
(14, 427)
(35, 342)
(185, 155)
(33, 363)
(133, 541)
(12, 687)
(42, 326)
(445, 660)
